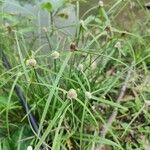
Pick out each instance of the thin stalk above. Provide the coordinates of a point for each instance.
(51, 23)
(37, 79)
(49, 43)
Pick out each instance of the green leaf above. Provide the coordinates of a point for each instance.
(5, 144)
(3, 100)
(19, 140)
(47, 6)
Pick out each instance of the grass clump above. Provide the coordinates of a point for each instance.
(87, 90)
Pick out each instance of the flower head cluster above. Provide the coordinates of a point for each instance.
(29, 148)
(80, 67)
(55, 55)
(72, 94)
(118, 45)
(101, 3)
(31, 62)
(88, 95)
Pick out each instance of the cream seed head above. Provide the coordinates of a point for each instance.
(132, 5)
(55, 55)
(72, 94)
(29, 148)
(31, 62)
(80, 67)
(93, 107)
(82, 22)
(88, 95)
(8, 27)
(101, 3)
(7, 24)
(45, 29)
(118, 45)
(147, 102)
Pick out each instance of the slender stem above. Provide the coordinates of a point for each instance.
(48, 40)
(37, 79)
(55, 65)
(51, 23)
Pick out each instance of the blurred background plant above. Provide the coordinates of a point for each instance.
(85, 47)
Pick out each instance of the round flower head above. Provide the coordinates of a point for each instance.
(101, 3)
(93, 107)
(8, 27)
(73, 47)
(132, 5)
(31, 62)
(88, 95)
(55, 55)
(80, 67)
(72, 94)
(82, 23)
(29, 148)
(118, 45)
(45, 29)
(147, 102)
(7, 24)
